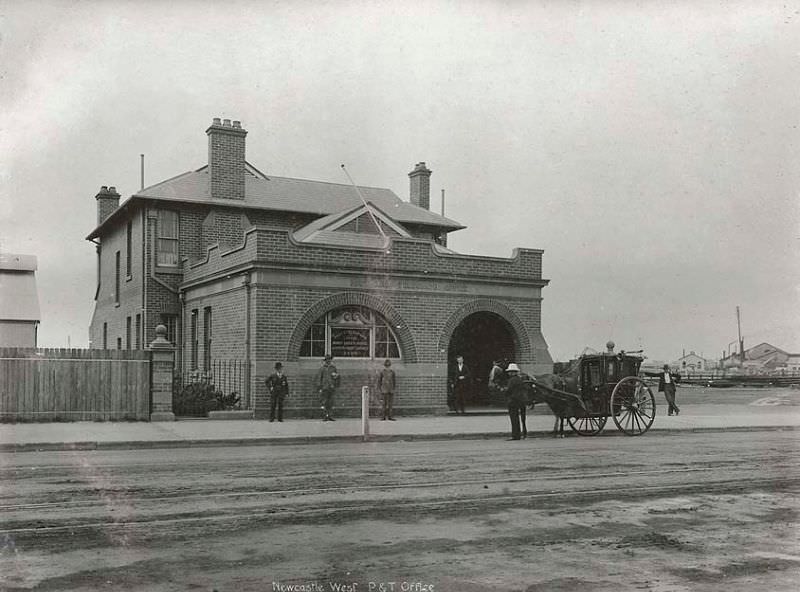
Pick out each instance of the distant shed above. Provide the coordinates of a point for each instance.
(19, 301)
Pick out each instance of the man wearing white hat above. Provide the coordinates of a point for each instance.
(516, 391)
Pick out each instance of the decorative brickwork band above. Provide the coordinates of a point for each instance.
(404, 337)
(522, 342)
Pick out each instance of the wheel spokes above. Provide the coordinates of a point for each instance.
(633, 406)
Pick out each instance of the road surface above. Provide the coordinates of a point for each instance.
(678, 511)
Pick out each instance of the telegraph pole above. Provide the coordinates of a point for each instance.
(741, 342)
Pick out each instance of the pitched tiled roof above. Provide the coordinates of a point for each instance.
(294, 195)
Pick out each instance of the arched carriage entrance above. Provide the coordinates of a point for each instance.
(481, 337)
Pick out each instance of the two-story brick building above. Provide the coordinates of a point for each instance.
(243, 265)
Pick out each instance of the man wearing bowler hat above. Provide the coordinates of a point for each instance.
(327, 383)
(278, 386)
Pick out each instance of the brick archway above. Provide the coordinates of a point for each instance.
(521, 340)
(400, 328)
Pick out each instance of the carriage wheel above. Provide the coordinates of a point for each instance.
(633, 406)
(587, 426)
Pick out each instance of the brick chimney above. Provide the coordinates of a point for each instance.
(421, 186)
(226, 159)
(107, 201)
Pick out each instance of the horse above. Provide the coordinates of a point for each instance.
(543, 388)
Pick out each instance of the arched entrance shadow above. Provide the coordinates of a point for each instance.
(481, 332)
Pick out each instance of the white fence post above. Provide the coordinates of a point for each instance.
(364, 412)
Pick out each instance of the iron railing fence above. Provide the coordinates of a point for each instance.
(223, 385)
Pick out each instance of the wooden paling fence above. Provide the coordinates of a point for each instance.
(762, 380)
(74, 384)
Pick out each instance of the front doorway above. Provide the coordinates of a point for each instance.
(481, 338)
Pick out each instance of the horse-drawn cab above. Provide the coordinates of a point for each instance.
(595, 387)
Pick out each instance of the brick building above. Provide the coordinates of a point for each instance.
(241, 265)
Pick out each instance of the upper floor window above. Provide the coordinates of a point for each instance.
(350, 332)
(167, 248)
(116, 278)
(128, 248)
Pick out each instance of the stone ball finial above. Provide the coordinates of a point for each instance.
(160, 342)
(610, 346)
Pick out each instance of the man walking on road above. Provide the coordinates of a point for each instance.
(278, 386)
(516, 391)
(387, 383)
(666, 385)
(327, 383)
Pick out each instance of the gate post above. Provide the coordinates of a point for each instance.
(365, 413)
(162, 366)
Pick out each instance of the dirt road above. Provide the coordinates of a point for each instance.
(687, 511)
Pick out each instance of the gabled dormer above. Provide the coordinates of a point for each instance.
(365, 225)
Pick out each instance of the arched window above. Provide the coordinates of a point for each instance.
(350, 332)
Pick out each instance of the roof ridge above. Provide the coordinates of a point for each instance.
(270, 177)
(333, 183)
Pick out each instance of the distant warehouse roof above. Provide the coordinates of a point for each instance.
(19, 299)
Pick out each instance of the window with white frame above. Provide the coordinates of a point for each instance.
(167, 248)
(350, 332)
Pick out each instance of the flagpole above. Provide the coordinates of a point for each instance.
(364, 201)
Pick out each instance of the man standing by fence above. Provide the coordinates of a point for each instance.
(278, 386)
(327, 383)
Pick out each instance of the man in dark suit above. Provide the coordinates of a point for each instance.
(278, 386)
(666, 384)
(459, 384)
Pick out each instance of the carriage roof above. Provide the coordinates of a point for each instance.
(607, 355)
(626, 361)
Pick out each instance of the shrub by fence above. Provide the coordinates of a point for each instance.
(74, 384)
(222, 387)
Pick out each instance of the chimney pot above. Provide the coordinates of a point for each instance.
(420, 190)
(226, 159)
(217, 121)
(107, 202)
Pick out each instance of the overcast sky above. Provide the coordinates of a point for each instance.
(652, 149)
